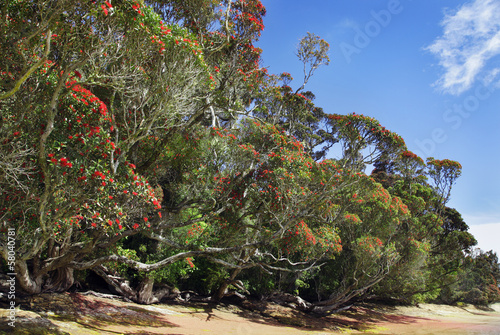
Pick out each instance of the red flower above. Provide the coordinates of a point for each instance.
(78, 74)
(145, 219)
(135, 226)
(109, 5)
(188, 259)
(104, 9)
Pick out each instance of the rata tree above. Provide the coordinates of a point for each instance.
(295, 113)
(407, 181)
(452, 242)
(236, 61)
(443, 174)
(240, 199)
(115, 89)
(426, 265)
(111, 75)
(367, 215)
(363, 140)
(293, 110)
(369, 220)
(227, 32)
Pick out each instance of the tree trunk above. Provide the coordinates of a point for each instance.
(28, 283)
(145, 293)
(59, 280)
(287, 299)
(120, 285)
(346, 296)
(222, 291)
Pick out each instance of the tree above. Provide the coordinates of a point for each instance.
(294, 111)
(146, 142)
(92, 102)
(369, 222)
(364, 141)
(434, 239)
(477, 281)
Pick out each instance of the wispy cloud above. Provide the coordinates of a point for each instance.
(347, 24)
(471, 37)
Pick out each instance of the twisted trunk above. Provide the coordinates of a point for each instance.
(143, 294)
(29, 283)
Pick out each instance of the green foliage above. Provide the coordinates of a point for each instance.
(146, 141)
(205, 278)
(477, 281)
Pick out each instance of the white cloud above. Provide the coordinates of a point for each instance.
(471, 37)
(347, 24)
(491, 76)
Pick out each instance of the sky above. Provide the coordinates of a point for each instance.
(428, 70)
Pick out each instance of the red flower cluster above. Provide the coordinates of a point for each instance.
(62, 161)
(411, 155)
(105, 9)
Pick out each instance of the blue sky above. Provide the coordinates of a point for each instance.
(427, 70)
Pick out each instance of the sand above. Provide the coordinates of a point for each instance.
(83, 314)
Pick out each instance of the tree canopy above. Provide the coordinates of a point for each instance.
(145, 142)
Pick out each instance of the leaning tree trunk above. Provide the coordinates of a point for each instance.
(29, 283)
(32, 281)
(222, 291)
(344, 297)
(144, 294)
(59, 280)
(120, 285)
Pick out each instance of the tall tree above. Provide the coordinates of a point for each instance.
(111, 77)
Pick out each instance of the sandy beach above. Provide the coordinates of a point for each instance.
(84, 314)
